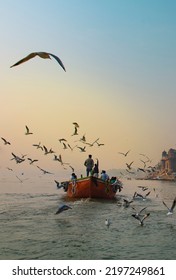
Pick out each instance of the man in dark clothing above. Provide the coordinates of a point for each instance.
(95, 170)
(89, 163)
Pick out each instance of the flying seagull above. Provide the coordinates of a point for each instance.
(141, 169)
(32, 160)
(91, 144)
(83, 138)
(76, 124)
(40, 54)
(38, 146)
(75, 132)
(50, 151)
(143, 188)
(27, 131)
(64, 146)
(17, 159)
(126, 203)
(58, 184)
(63, 208)
(82, 149)
(62, 139)
(170, 210)
(5, 141)
(129, 165)
(99, 144)
(44, 171)
(125, 154)
(138, 213)
(141, 220)
(140, 195)
(9, 168)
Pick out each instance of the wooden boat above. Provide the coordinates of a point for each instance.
(92, 187)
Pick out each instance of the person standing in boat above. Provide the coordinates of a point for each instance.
(95, 170)
(89, 163)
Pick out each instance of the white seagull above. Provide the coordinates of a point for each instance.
(140, 195)
(138, 213)
(170, 210)
(42, 55)
(107, 222)
(141, 220)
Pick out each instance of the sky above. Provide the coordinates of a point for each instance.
(119, 84)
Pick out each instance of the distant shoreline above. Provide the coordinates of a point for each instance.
(165, 177)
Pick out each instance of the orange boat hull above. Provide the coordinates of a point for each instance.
(90, 187)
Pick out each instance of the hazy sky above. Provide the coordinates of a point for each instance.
(119, 83)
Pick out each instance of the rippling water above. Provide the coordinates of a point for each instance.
(31, 230)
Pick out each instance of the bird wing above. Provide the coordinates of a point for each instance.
(40, 168)
(58, 60)
(27, 129)
(140, 195)
(142, 210)
(136, 217)
(59, 211)
(71, 168)
(141, 169)
(127, 153)
(45, 148)
(173, 204)
(145, 216)
(63, 208)
(65, 146)
(166, 205)
(147, 193)
(121, 153)
(76, 124)
(60, 157)
(31, 55)
(76, 130)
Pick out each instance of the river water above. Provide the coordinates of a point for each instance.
(31, 230)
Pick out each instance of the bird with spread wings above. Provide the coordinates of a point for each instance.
(44, 55)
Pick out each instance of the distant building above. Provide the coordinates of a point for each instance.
(168, 161)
